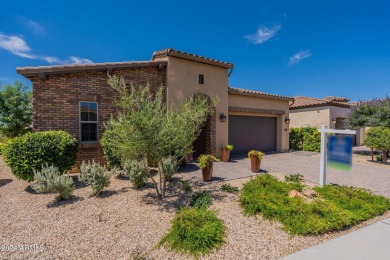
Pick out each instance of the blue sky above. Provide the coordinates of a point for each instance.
(286, 47)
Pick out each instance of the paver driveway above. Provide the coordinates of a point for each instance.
(374, 178)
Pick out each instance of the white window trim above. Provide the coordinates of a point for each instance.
(97, 122)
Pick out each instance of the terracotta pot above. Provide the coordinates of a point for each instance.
(255, 164)
(207, 172)
(225, 154)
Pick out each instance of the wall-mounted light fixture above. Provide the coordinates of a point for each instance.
(222, 117)
(334, 120)
(287, 120)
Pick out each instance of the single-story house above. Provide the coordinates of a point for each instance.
(330, 111)
(76, 98)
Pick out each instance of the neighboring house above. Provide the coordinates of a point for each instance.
(76, 98)
(330, 111)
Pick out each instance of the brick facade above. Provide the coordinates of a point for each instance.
(56, 100)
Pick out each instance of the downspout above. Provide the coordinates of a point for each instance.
(230, 72)
(292, 103)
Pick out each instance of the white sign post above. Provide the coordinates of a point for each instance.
(324, 136)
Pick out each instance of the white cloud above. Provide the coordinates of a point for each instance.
(263, 34)
(78, 60)
(298, 57)
(35, 27)
(16, 45)
(51, 60)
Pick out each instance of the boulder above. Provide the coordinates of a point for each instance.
(294, 194)
(309, 193)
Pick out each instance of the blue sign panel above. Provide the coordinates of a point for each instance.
(340, 152)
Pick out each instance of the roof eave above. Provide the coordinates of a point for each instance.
(321, 105)
(73, 68)
(201, 60)
(239, 93)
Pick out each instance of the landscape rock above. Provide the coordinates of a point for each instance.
(309, 193)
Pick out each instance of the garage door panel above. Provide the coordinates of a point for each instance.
(252, 132)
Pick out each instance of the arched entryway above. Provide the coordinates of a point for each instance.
(202, 143)
(206, 141)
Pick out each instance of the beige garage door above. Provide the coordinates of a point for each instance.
(252, 132)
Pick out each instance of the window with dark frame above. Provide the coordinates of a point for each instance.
(88, 121)
(201, 79)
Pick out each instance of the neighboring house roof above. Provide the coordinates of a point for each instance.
(68, 68)
(193, 57)
(246, 92)
(304, 102)
(333, 98)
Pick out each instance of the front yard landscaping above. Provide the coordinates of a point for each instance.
(334, 209)
(124, 222)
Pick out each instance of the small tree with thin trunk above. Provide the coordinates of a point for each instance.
(379, 138)
(145, 127)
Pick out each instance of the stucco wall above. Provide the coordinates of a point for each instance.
(183, 81)
(282, 136)
(313, 117)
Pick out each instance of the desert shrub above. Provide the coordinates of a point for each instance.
(201, 200)
(137, 172)
(33, 150)
(109, 150)
(295, 178)
(229, 188)
(336, 208)
(305, 138)
(50, 179)
(95, 175)
(187, 186)
(168, 166)
(194, 232)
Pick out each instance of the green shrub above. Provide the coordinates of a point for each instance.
(201, 200)
(204, 158)
(109, 148)
(49, 179)
(295, 178)
(195, 232)
(336, 208)
(229, 188)
(187, 186)
(305, 138)
(95, 175)
(379, 138)
(137, 172)
(33, 150)
(168, 166)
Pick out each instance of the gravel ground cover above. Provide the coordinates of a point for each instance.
(124, 223)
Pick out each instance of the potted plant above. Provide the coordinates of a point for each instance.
(225, 152)
(206, 164)
(255, 157)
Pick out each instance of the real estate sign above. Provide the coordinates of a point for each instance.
(340, 152)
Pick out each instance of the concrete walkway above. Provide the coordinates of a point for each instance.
(374, 178)
(372, 242)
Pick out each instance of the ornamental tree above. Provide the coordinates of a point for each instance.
(146, 128)
(379, 138)
(15, 109)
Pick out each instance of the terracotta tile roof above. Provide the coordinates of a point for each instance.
(66, 68)
(245, 92)
(189, 56)
(302, 102)
(333, 98)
